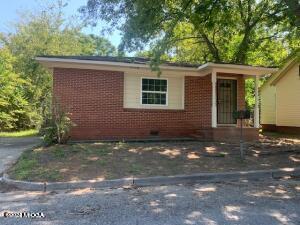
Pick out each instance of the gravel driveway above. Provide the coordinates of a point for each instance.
(263, 203)
(11, 149)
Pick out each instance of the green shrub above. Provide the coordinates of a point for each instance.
(57, 126)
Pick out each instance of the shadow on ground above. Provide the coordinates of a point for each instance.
(264, 203)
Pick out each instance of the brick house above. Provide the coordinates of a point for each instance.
(121, 98)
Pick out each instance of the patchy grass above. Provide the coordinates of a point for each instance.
(29, 168)
(23, 133)
(24, 168)
(141, 159)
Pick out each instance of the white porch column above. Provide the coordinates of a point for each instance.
(214, 99)
(256, 108)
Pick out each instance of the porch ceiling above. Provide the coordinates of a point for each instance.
(247, 70)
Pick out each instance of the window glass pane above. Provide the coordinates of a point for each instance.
(164, 88)
(157, 87)
(154, 85)
(154, 98)
(145, 87)
(163, 99)
(152, 95)
(145, 81)
(151, 88)
(151, 82)
(145, 98)
(151, 91)
(151, 99)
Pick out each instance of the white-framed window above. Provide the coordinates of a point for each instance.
(154, 91)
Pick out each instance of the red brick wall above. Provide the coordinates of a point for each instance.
(95, 100)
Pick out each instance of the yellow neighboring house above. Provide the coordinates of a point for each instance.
(280, 99)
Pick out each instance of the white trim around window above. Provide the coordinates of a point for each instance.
(156, 92)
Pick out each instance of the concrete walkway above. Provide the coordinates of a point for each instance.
(12, 148)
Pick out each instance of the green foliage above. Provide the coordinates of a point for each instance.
(100, 46)
(23, 133)
(49, 135)
(41, 32)
(293, 11)
(25, 165)
(249, 93)
(15, 110)
(29, 167)
(59, 153)
(58, 126)
(236, 31)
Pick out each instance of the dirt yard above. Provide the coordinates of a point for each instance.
(105, 160)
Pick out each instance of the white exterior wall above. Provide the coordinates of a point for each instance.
(132, 90)
(288, 99)
(268, 104)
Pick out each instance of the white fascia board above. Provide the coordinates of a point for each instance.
(52, 61)
(239, 69)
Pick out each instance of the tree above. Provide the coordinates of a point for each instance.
(47, 32)
(221, 31)
(235, 31)
(294, 11)
(15, 111)
(100, 45)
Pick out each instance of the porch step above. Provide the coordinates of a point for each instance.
(205, 134)
(231, 134)
(197, 137)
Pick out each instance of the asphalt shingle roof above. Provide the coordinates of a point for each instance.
(134, 60)
(138, 60)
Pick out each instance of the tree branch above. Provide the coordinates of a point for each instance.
(212, 47)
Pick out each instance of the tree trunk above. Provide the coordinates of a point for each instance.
(212, 48)
(241, 54)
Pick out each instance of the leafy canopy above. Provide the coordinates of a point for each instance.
(237, 31)
(46, 31)
(262, 32)
(15, 110)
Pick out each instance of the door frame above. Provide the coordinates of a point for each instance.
(237, 93)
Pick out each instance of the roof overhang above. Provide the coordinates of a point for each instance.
(57, 62)
(208, 68)
(235, 69)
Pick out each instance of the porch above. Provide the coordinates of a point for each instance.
(228, 96)
(227, 133)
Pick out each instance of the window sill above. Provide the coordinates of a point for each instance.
(152, 110)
